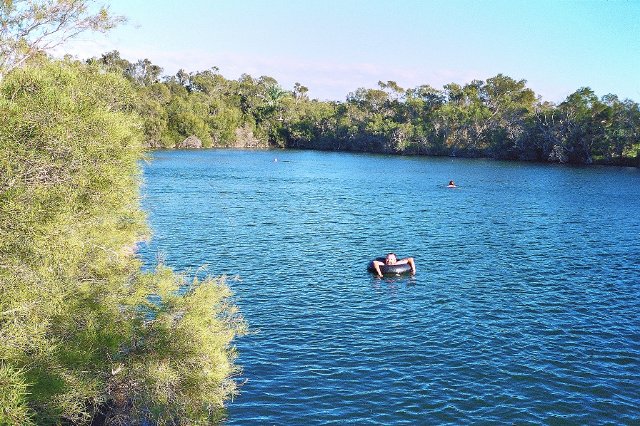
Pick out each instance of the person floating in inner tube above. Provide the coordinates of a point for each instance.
(452, 184)
(392, 259)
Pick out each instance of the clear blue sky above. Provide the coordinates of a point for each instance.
(335, 46)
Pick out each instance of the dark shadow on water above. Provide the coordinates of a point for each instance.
(408, 280)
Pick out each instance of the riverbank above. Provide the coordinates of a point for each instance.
(621, 162)
(499, 117)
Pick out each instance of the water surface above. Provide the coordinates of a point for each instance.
(525, 307)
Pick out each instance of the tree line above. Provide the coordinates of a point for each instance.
(498, 118)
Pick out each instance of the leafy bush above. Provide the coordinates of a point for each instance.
(72, 325)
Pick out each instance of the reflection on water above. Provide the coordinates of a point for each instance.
(525, 306)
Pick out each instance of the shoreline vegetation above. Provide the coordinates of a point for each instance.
(86, 336)
(499, 118)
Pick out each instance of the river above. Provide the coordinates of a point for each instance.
(525, 307)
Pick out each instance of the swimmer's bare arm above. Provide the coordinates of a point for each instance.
(411, 263)
(376, 265)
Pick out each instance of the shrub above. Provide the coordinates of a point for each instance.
(71, 292)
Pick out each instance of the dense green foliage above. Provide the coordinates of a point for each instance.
(498, 118)
(83, 332)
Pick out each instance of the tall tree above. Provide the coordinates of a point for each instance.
(300, 92)
(30, 27)
(582, 130)
(621, 126)
(510, 103)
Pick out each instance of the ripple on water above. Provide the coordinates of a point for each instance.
(525, 308)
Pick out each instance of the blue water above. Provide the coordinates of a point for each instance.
(525, 307)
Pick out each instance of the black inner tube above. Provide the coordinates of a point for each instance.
(397, 269)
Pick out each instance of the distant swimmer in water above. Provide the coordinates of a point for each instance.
(275, 160)
(452, 184)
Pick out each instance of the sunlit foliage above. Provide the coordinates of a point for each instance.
(83, 333)
(498, 118)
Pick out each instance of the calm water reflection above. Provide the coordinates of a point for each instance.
(525, 308)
